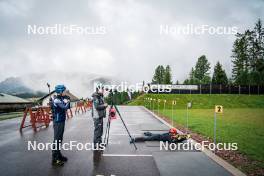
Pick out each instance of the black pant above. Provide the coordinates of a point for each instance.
(58, 137)
(154, 137)
(98, 130)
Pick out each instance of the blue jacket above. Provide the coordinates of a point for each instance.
(59, 108)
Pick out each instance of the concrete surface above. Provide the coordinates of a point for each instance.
(119, 158)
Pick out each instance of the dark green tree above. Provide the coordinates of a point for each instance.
(256, 54)
(240, 71)
(219, 75)
(257, 47)
(248, 56)
(186, 81)
(201, 72)
(167, 75)
(158, 77)
(192, 78)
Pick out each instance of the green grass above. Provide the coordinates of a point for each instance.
(242, 121)
(243, 126)
(205, 101)
(10, 115)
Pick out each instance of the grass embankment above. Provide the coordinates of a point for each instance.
(204, 101)
(242, 121)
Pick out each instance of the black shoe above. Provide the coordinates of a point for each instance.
(63, 158)
(57, 163)
(132, 140)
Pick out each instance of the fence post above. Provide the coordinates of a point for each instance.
(210, 88)
(258, 89)
(200, 89)
(239, 89)
(220, 87)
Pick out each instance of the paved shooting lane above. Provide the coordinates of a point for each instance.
(120, 157)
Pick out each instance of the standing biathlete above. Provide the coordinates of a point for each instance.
(98, 113)
(59, 108)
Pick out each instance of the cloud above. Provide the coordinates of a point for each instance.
(13, 8)
(132, 46)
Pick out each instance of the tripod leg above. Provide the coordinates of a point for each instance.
(125, 126)
(107, 130)
(106, 137)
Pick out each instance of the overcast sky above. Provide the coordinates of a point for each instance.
(131, 47)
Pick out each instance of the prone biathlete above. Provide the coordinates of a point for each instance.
(172, 137)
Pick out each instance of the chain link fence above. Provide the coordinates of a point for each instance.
(218, 89)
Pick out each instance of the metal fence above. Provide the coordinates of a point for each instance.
(217, 89)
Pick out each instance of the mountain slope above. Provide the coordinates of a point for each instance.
(79, 83)
(14, 85)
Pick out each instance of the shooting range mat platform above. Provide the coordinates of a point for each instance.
(119, 159)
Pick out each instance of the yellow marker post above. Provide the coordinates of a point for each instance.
(153, 101)
(172, 111)
(189, 105)
(150, 103)
(158, 105)
(164, 104)
(218, 110)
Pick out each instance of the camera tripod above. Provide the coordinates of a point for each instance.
(106, 137)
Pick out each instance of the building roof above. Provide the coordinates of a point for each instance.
(5, 98)
(73, 97)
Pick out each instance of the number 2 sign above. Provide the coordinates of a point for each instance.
(219, 109)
